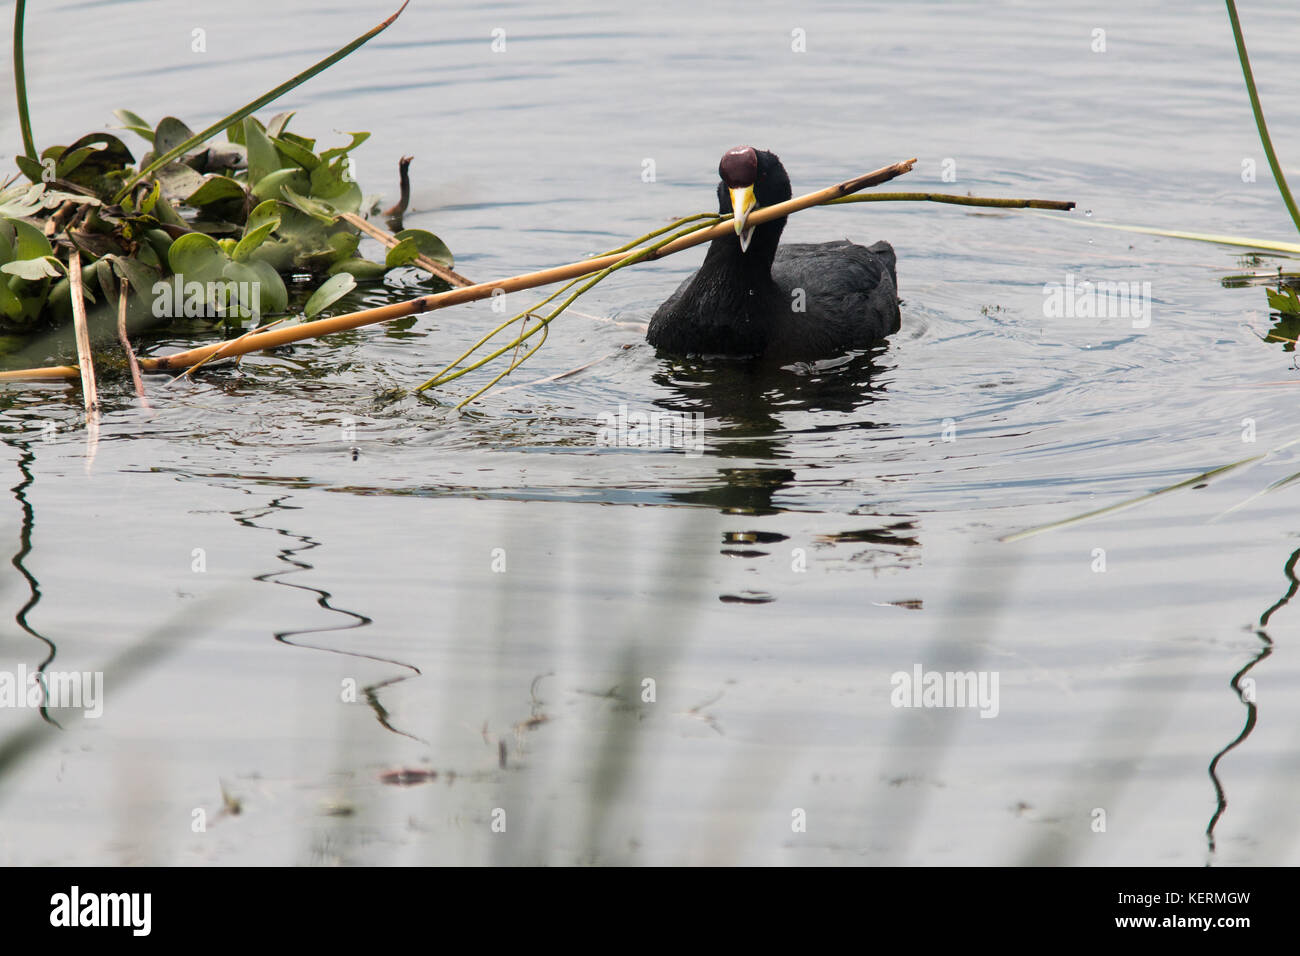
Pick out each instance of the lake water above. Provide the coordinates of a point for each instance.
(391, 632)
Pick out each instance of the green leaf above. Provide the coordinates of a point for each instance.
(29, 242)
(140, 276)
(196, 257)
(429, 245)
(305, 142)
(273, 185)
(170, 133)
(363, 270)
(22, 200)
(262, 221)
(112, 155)
(316, 208)
(262, 157)
(278, 124)
(1285, 302)
(333, 289)
(10, 305)
(71, 159)
(274, 296)
(31, 168)
(134, 123)
(330, 154)
(402, 254)
(276, 253)
(215, 189)
(178, 181)
(296, 153)
(329, 181)
(32, 270)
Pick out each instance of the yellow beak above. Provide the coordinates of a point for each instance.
(742, 204)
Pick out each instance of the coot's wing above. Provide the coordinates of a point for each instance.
(849, 297)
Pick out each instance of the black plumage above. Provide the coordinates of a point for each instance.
(755, 297)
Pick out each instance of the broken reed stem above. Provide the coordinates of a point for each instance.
(956, 200)
(389, 241)
(82, 334)
(126, 343)
(216, 355)
(275, 338)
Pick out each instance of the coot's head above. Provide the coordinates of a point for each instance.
(750, 178)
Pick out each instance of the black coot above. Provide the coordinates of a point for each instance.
(754, 297)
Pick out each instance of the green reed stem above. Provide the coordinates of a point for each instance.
(20, 83)
(1259, 116)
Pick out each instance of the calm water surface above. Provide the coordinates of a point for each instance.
(482, 596)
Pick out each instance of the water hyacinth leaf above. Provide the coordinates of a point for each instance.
(178, 181)
(29, 242)
(160, 242)
(170, 133)
(402, 254)
(30, 168)
(140, 276)
(273, 185)
(245, 292)
(306, 142)
(215, 189)
(135, 123)
(343, 244)
(33, 270)
(11, 307)
(22, 200)
(6, 240)
(274, 295)
(196, 257)
(429, 245)
(296, 153)
(164, 213)
(70, 160)
(329, 180)
(363, 270)
(279, 122)
(276, 253)
(331, 154)
(316, 208)
(112, 155)
(262, 221)
(262, 156)
(262, 214)
(333, 289)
